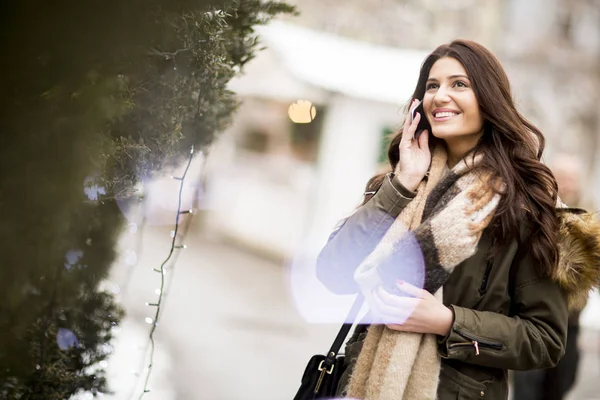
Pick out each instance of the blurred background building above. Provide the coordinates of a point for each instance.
(318, 106)
(357, 62)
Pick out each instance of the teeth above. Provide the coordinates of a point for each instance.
(445, 114)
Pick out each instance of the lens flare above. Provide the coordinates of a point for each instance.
(324, 281)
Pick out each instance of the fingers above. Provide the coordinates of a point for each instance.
(411, 290)
(424, 139)
(392, 309)
(411, 126)
(396, 327)
(409, 132)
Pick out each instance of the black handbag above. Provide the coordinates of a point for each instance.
(322, 373)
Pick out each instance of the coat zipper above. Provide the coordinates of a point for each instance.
(476, 343)
(486, 277)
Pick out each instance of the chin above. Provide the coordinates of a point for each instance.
(447, 132)
(444, 133)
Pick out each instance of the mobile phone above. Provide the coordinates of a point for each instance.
(423, 123)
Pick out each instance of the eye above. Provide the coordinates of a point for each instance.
(461, 84)
(430, 86)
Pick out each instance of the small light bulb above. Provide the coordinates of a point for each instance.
(148, 320)
(133, 227)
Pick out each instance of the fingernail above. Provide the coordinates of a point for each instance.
(399, 282)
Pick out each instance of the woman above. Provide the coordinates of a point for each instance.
(480, 207)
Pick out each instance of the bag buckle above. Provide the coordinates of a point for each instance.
(324, 371)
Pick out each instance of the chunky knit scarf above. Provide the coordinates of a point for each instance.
(446, 218)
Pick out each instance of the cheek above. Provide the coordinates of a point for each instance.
(477, 119)
(474, 113)
(427, 100)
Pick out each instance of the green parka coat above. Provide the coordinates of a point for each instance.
(506, 315)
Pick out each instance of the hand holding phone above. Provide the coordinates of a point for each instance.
(423, 123)
(413, 112)
(414, 156)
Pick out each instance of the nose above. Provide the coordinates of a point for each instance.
(441, 96)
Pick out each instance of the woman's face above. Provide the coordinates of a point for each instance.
(450, 104)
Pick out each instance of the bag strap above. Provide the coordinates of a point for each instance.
(345, 329)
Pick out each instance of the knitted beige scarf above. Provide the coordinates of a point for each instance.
(447, 217)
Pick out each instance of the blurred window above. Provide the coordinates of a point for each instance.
(263, 128)
(254, 140)
(305, 137)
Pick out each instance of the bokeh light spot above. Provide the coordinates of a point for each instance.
(133, 228)
(72, 258)
(130, 257)
(91, 189)
(66, 339)
(115, 289)
(302, 112)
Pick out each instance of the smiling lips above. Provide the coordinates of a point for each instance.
(441, 115)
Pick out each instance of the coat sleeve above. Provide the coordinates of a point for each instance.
(533, 337)
(358, 235)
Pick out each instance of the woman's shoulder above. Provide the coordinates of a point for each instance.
(578, 240)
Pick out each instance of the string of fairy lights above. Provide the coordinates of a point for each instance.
(299, 112)
(195, 205)
(162, 272)
(181, 227)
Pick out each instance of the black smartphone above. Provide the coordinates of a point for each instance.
(423, 123)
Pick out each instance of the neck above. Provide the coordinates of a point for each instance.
(455, 155)
(457, 150)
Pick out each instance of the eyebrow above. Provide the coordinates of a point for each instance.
(450, 77)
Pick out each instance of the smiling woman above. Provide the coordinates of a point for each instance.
(452, 109)
(473, 196)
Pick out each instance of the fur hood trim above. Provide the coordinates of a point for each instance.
(578, 269)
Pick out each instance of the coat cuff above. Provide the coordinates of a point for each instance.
(445, 344)
(393, 196)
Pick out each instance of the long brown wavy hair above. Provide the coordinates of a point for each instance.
(512, 149)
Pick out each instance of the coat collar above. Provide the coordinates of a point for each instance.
(578, 268)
